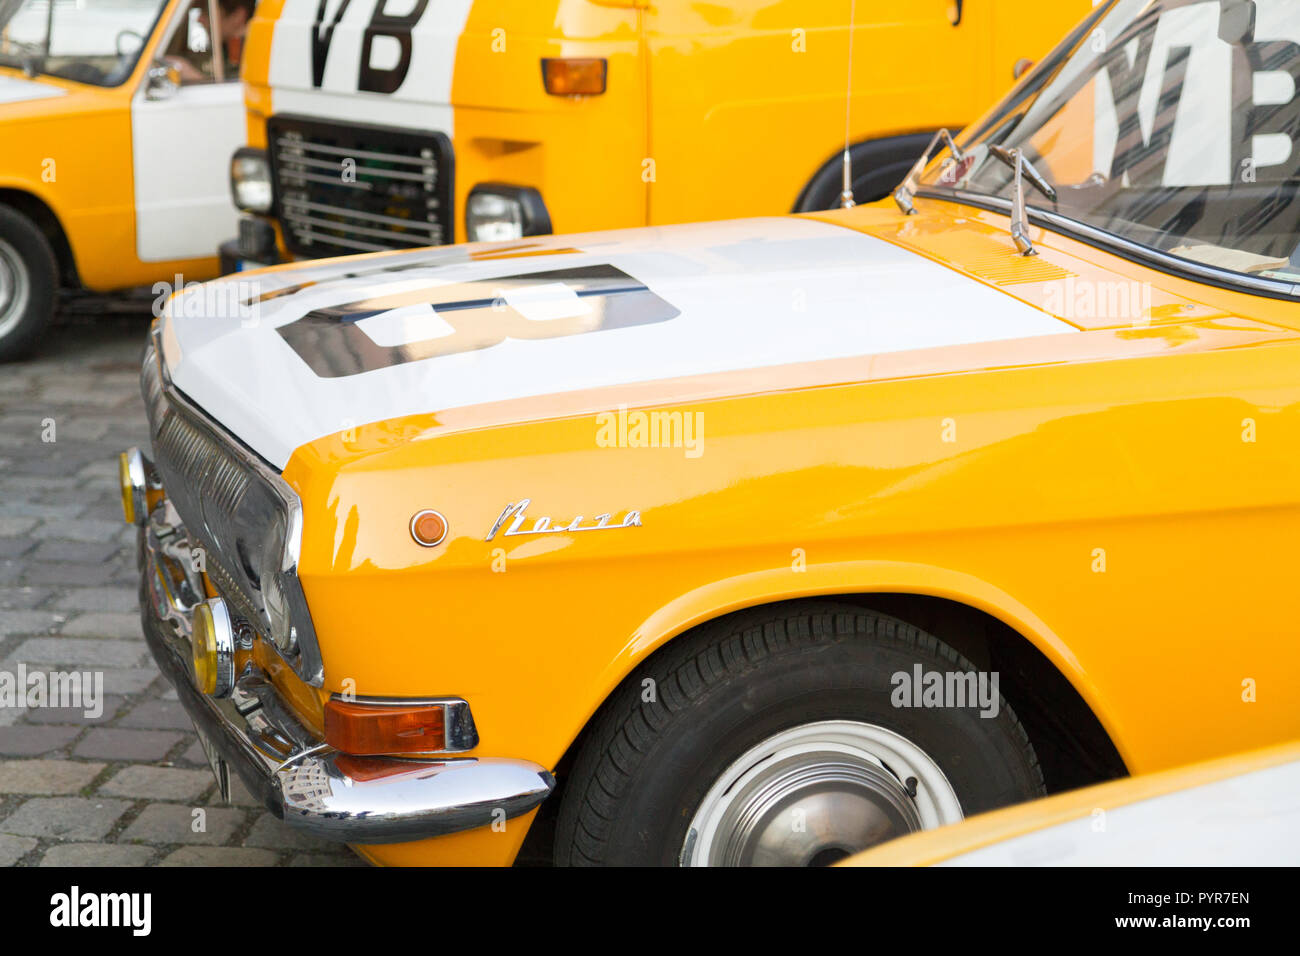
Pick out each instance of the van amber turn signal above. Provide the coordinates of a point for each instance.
(574, 76)
(376, 729)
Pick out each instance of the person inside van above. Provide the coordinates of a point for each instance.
(193, 60)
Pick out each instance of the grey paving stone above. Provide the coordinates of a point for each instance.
(83, 651)
(65, 818)
(220, 856)
(194, 755)
(25, 740)
(275, 834)
(11, 525)
(81, 552)
(105, 624)
(16, 547)
(239, 795)
(112, 743)
(97, 854)
(157, 783)
(158, 715)
(23, 599)
(46, 777)
(28, 622)
(97, 599)
(131, 681)
(65, 574)
(14, 848)
(164, 823)
(106, 704)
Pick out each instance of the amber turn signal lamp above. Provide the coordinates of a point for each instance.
(571, 76)
(428, 528)
(377, 729)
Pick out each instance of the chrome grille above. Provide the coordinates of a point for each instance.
(206, 484)
(395, 193)
(238, 509)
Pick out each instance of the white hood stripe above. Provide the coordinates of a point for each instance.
(357, 341)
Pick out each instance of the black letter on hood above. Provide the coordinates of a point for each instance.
(372, 80)
(320, 42)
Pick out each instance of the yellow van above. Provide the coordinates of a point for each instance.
(117, 121)
(459, 120)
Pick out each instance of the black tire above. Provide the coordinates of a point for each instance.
(27, 268)
(878, 166)
(645, 767)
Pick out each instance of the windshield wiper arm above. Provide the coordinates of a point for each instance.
(904, 193)
(1024, 169)
(1036, 179)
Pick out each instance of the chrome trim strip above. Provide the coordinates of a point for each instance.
(1126, 248)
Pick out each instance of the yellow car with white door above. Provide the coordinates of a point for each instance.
(764, 541)
(117, 120)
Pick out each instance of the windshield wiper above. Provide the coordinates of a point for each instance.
(904, 193)
(1036, 179)
(1024, 169)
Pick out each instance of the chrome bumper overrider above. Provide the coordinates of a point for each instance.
(288, 767)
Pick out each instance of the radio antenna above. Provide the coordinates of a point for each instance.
(846, 194)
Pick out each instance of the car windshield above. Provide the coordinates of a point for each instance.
(1173, 124)
(90, 41)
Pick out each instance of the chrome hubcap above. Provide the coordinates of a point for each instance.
(817, 793)
(13, 288)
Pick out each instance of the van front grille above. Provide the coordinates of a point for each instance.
(348, 188)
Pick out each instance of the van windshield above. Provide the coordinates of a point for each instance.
(1172, 125)
(89, 41)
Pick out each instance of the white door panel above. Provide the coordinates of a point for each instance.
(181, 156)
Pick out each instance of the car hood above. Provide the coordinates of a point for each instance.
(286, 356)
(20, 89)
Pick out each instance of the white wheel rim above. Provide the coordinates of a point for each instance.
(816, 793)
(13, 288)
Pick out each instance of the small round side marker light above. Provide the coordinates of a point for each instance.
(428, 528)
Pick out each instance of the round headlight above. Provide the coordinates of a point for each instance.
(213, 648)
(250, 180)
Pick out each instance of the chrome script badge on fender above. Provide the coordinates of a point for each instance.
(543, 525)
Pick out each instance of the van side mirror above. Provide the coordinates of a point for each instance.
(161, 82)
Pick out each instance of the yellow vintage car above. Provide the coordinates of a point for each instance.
(117, 120)
(763, 541)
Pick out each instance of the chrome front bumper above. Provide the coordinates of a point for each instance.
(335, 796)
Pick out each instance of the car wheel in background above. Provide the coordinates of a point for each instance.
(28, 278)
(771, 737)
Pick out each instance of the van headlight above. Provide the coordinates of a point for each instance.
(250, 180)
(495, 212)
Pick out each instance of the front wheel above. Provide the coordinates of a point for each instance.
(780, 737)
(28, 275)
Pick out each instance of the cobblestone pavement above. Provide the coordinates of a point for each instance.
(126, 787)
